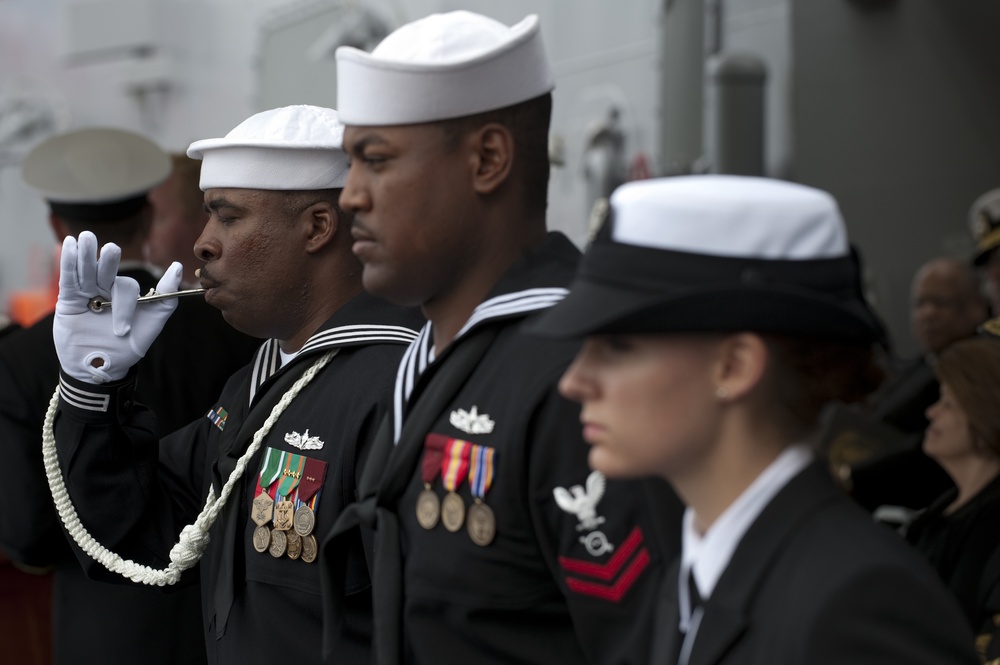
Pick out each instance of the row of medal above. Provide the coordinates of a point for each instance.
(284, 506)
(455, 460)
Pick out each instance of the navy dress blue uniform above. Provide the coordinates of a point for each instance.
(808, 583)
(85, 613)
(558, 581)
(135, 494)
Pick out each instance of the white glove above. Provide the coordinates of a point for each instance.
(102, 346)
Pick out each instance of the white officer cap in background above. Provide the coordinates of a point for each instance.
(440, 67)
(287, 148)
(984, 221)
(95, 174)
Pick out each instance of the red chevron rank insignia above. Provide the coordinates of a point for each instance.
(611, 580)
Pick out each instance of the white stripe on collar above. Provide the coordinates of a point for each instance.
(265, 364)
(268, 359)
(420, 355)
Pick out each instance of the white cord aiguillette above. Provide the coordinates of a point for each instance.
(194, 537)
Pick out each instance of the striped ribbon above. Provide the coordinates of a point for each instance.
(481, 470)
(270, 469)
(455, 463)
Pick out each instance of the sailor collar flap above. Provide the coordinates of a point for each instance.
(363, 321)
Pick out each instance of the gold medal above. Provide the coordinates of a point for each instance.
(428, 508)
(305, 520)
(261, 538)
(309, 548)
(452, 512)
(294, 545)
(279, 542)
(482, 524)
(263, 509)
(283, 515)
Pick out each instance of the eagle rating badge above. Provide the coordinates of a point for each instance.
(583, 502)
(612, 579)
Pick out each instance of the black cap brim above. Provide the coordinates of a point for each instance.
(720, 295)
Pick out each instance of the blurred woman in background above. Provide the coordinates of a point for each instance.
(960, 531)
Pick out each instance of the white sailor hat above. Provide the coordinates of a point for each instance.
(95, 174)
(287, 148)
(718, 254)
(984, 220)
(442, 66)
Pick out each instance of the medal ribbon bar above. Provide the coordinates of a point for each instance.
(434, 445)
(313, 475)
(480, 471)
(291, 473)
(455, 463)
(269, 469)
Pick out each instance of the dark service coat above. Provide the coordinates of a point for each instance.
(815, 581)
(135, 493)
(571, 572)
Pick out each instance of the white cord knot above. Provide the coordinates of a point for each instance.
(190, 547)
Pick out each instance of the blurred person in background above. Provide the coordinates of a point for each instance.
(960, 531)
(984, 221)
(98, 180)
(179, 217)
(946, 306)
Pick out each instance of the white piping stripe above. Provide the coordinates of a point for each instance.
(397, 395)
(505, 309)
(363, 333)
(264, 366)
(267, 362)
(517, 295)
(82, 399)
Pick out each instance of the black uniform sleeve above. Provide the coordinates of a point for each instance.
(109, 454)
(853, 627)
(31, 534)
(598, 537)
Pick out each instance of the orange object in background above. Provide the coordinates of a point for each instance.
(27, 306)
(30, 305)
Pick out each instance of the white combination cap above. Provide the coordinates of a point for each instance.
(718, 254)
(287, 148)
(96, 165)
(732, 216)
(442, 66)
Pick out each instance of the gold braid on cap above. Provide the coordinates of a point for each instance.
(991, 328)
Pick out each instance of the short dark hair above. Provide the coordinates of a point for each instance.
(528, 122)
(187, 175)
(122, 232)
(295, 201)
